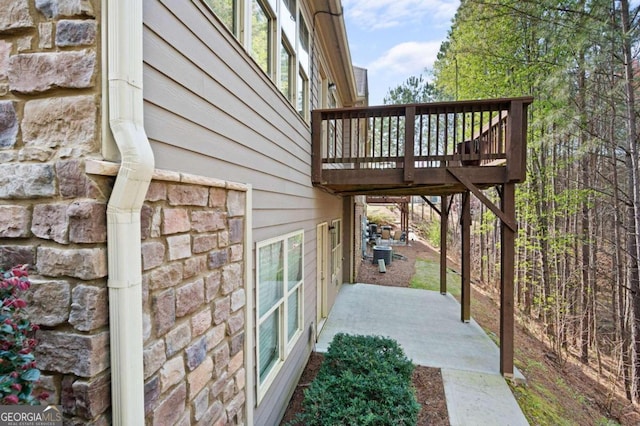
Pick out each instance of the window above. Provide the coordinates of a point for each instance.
(286, 70)
(303, 37)
(261, 35)
(336, 249)
(302, 101)
(279, 286)
(277, 37)
(226, 11)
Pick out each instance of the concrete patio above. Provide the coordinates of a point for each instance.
(427, 325)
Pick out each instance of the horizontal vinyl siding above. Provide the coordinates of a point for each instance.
(210, 111)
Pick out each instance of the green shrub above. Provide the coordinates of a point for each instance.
(364, 380)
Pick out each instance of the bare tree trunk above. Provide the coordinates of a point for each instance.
(619, 292)
(584, 229)
(634, 184)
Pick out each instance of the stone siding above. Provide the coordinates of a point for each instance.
(52, 214)
(194, 303)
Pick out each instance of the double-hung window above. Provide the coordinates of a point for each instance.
(302, 99)
(275, 34)
(287, 65)
(279, 271)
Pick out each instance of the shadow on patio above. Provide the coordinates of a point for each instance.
(427, 325)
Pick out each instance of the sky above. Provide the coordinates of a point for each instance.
(395, 39)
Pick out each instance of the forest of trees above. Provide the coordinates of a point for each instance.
(579, 211)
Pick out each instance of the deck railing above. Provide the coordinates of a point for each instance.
(421, 136)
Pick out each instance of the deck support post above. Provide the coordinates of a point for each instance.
(507, 273)
(404, 220)
(444, 225)
(466, 257)
(409, 135)
(316, 149)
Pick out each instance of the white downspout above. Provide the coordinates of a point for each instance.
(124, 45)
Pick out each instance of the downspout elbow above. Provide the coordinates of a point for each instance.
(124, 246)
(124, 253)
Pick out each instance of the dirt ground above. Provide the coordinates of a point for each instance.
(400, 271)
(570, 389)
(427, 381)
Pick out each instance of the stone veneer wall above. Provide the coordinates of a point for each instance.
(53, 217)
(194, 300)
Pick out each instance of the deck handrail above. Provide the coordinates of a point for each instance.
(479, 133)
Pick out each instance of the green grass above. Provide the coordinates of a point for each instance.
(427, 277)
(539, 406)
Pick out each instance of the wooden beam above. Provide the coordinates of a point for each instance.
(466, 257)
(516, 134)
(511, 223)
(444, 225)
(434, 176)
(316, 151)
(433, 206)
(507, 273)
(405, 225)
(409, 135)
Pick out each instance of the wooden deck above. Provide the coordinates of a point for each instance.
(420, 149)
(434, 149)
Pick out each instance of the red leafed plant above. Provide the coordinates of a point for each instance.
(18, 372)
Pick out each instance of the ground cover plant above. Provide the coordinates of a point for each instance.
(364, 380)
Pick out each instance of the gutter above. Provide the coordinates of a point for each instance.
(345, 53)
(124, 58)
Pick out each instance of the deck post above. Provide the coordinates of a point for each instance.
(404, 218)
(444, 225)
(409, 136)
(516, 140)
(316, 153)
(507, 272)
(466, 257)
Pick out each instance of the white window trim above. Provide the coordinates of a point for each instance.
(243, 33)
(284, 348)
(306, 104)
(336, 252)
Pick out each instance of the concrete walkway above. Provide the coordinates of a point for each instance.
(427, 325)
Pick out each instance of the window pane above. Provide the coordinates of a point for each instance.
(260, 29)
(294, 259)
(288, 18)
(285, 71)
(302, 101)
(335, 234)
(293, 314)
(271, 279)
(303, 35)
(269, 344)
(225, 10)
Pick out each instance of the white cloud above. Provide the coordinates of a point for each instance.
(378, 14)
(409, 58)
